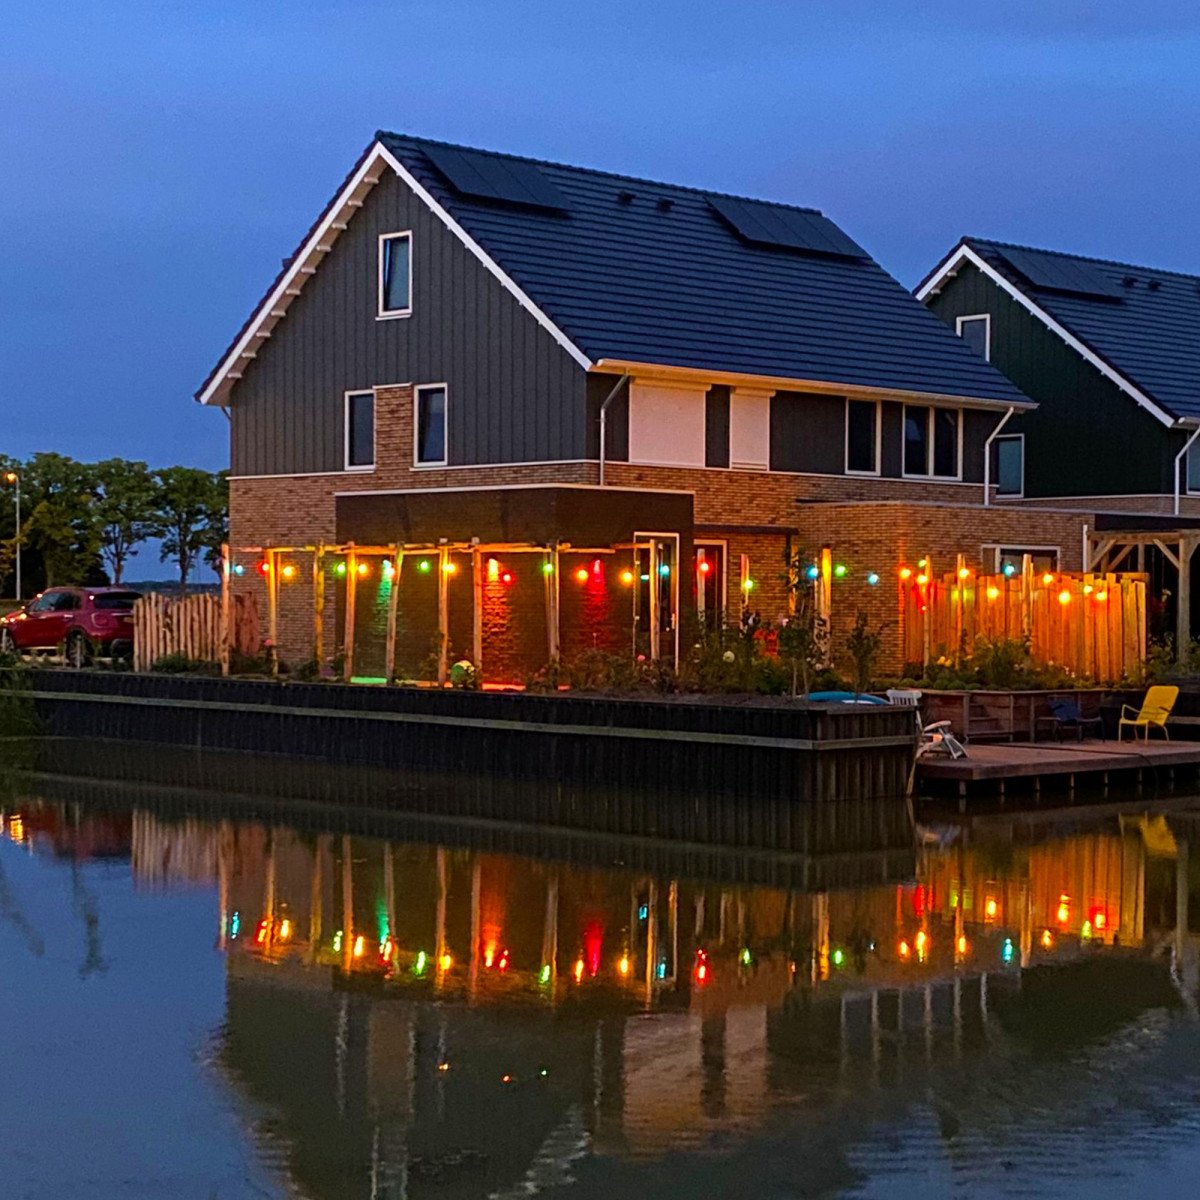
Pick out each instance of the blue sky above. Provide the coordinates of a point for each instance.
(160, 158)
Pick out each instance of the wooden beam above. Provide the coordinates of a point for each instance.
(318, 582)
(226, 608)
(1183, 598)
(477, 611)
(350, 607)
(443, 585)
(389, 663)
(1168, 553)
(550, 578)
(273, 607)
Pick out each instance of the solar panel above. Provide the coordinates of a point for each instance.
(1057, 273)
(791, 228)
(495, 177)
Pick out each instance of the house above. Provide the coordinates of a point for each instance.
(529, 410)
(1111, 354)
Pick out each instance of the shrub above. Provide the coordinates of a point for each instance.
(547, 678)
(181, 664)
(862, 645)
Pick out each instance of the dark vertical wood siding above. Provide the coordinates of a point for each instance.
(1087, 437)
(716, 427)
(514, 394)
(808, 433)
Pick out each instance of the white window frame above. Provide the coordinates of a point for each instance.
(928, 474)
(391, 314)
(847, 469)
(986, 318)
(994, 551)
(723, 580)
(1010, 437)
(346, 464)
(418, 465)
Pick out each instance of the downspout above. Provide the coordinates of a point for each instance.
(1179, 459)
(604, 421)
(987, 458)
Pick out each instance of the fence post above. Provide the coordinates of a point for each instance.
(272, 560)
(226, 610)
(443, 615)
(389, 668)
(318, 583)
(350, 607)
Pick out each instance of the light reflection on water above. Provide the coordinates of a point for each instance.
(216, 1006)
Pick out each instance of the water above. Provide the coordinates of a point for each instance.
(201, 1004)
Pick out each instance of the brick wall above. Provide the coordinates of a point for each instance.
(872, 524)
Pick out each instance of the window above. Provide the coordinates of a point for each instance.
(63, 602)
(360, 431)
(1009, 559)
(116, 600)
(931, 441)
(430, 426)
(395, 274)
(1010, 465)
(862, 437)
(977, 333)
(1193, 470)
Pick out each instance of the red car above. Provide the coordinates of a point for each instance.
(83, 622)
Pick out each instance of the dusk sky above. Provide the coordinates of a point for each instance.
(159, 159)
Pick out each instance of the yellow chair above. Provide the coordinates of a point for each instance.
(1155, 710)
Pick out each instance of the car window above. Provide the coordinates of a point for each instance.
(122, 600)
(42, 603)
(64, 602)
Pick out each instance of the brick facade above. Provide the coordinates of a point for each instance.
(871, 524)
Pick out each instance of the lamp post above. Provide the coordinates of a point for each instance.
(14, 480)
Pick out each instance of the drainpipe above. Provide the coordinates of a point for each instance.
(987, 458)
(1178, 460)
(604, 420)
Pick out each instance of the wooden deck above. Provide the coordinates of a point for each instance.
(989, 767)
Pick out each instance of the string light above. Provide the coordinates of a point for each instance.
(1088, 589)
(922, 943)
(990, 908)
(922, 579)
(627, 577)
(663, 568)
(1006, 950)
(388, 568)
(1064, 597)
(339, 568)
(1099, 920)
(235, 924)
(747, 585)
(813, 572)
(745, 956)
(285, 929)
(423, 566)
(903, 948)
(448, 567)
(701, 971)
(839, 570)
(704, 566)
(582, 575)
(623, 964)
(993, 592)
(288, 572)
(1101, 596)
(579, 970)
(1048, 578)
(337, 942)
(964, 572)
(906, 572)
(445, 963)
(961, 946)
(420, 964)
(1009, 570)
(547, 568)
(921, 562)
(493, 570)
(839, 957)
(360, 946)
(544, 974)
(264, 567)
(1064, 909)
(872, 578)
(1047, 939)
(238, 569)
(363, 570)
(506, 577)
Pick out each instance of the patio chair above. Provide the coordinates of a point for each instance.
(1156, 708)
(1066, 714)
(938, 739)
(907, 698)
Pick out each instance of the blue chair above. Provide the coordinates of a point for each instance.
(1066, 714)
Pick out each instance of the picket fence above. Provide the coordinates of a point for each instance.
(192, 626)
(1093, 625)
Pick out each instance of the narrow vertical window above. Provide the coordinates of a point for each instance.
(976, 331)
(945, 442)
(1193, 470)
(430, 426)
(395, 274)
(360, 430)
(916, 440)
(1010, 465)
(862, 437)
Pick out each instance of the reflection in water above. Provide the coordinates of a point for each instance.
(409, 1018)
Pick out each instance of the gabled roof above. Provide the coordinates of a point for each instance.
(624, 270)
(1138, 325)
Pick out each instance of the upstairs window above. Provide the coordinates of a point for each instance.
(1193, 470)
(429, 426)
(395, 274)
(1010, 465)
(931, 441)
(976, 331)
(360, 431)
(862, 437)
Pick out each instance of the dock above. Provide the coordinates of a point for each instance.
(989, 768)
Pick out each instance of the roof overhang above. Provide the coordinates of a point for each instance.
(320, 240)
(650, 372)
(963, 255)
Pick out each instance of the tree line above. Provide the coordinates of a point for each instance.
(82, 523)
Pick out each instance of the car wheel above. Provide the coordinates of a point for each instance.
(7, 645)
(79, 650)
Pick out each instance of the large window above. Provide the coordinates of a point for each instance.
(360, 431)
(931, 441)
(1010, 465)
(1193, 470)
(977, 333)
(862, 437)
(395, 274)
(430, 426)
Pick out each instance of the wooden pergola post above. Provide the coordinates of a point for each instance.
(443, 614)
(226, 609)
(389, 669)
(272, 561)
(477, 611)
(318, 582)
(1183, 596)
(825, 605)
(550, 579)
(351, 605)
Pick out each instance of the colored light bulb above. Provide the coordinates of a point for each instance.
(872, 578)
(581, 575)
(339, 569)
(423, 566)
(906, 572)
(840, 571)
(813, 572)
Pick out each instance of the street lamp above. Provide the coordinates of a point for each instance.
(14, 481)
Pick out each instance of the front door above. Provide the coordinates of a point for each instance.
(656, 596)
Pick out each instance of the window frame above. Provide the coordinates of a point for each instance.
(418, 465)
(930, 452)
(986, 318)
(846, 467)
(995, 551)
(1009, 437)
(722, 588)
(347, 465)
(391, 314)
(1187, 471)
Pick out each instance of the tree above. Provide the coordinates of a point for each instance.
(125, 511)
(862, 645)
(59, 495)
(190, 512)
(804, 635)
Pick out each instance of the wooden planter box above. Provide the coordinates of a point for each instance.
(1003, 716)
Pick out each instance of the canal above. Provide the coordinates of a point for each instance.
(203, 1000)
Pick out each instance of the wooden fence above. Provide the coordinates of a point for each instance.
(1093, 625)
(193, 627)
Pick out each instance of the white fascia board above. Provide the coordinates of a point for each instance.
(506, 281)
(964, 254)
